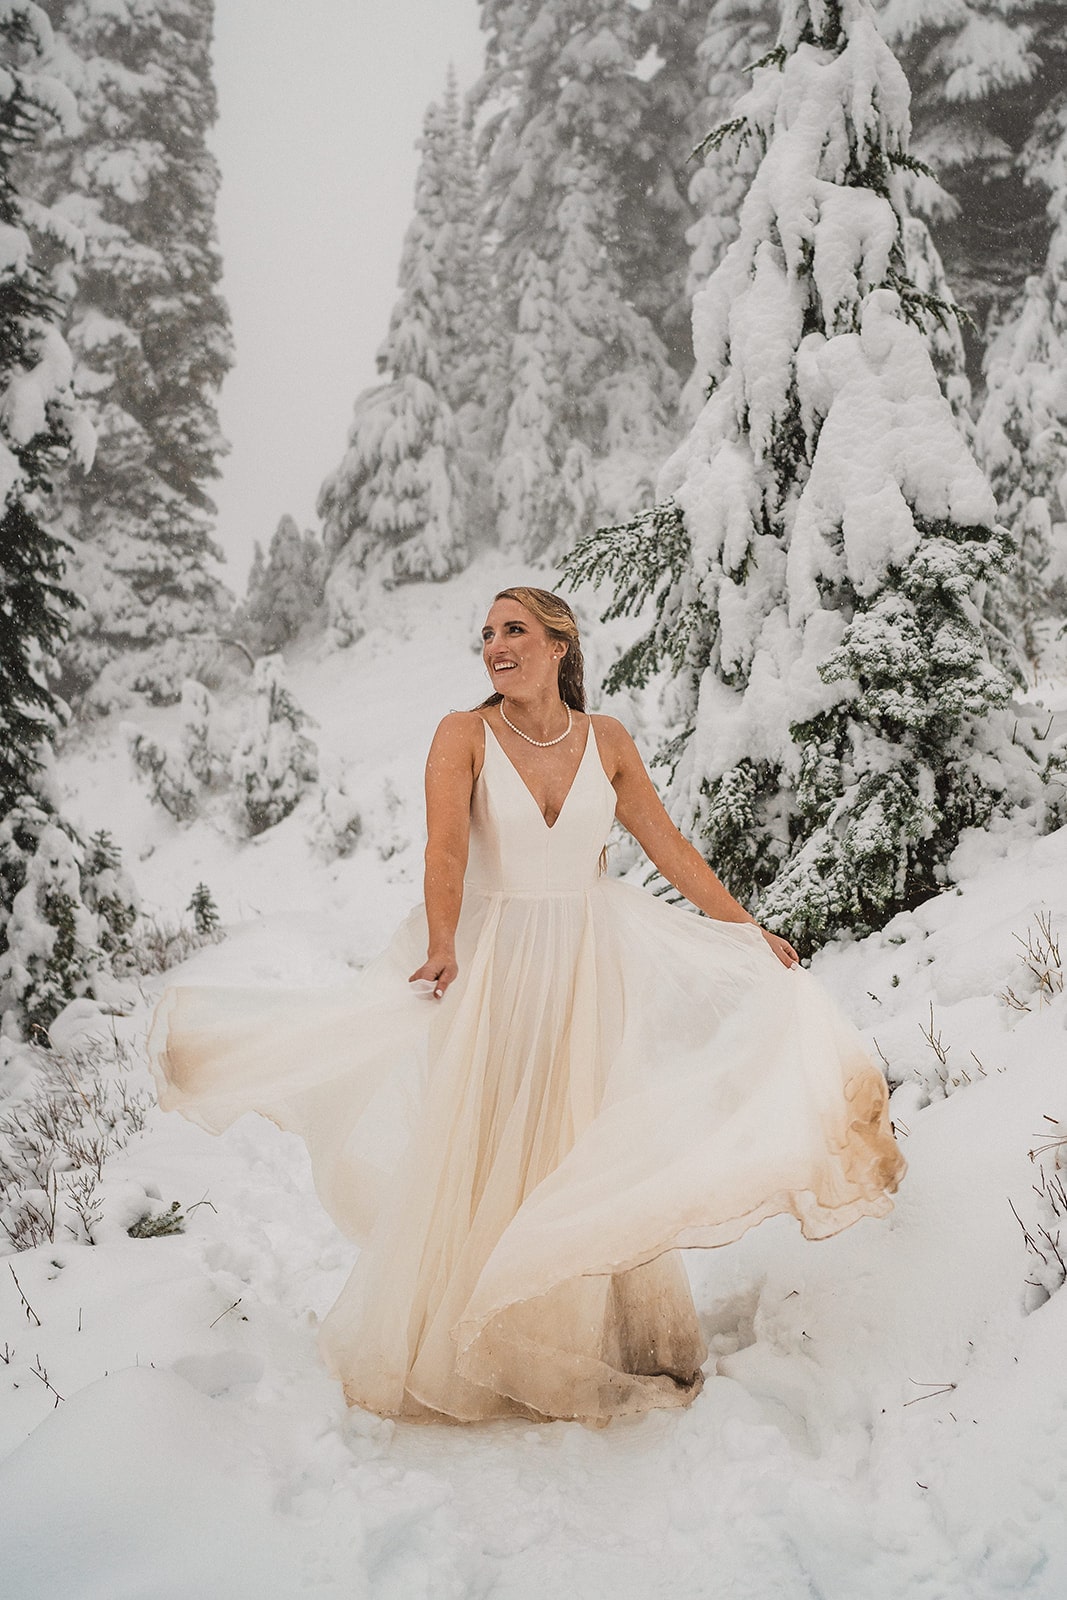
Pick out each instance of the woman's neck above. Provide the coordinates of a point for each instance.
(541, 715)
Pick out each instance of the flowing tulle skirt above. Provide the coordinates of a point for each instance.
(609, 1079)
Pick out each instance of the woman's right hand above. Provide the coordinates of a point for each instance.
(437, 970)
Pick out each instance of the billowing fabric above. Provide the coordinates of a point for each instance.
(609, 1079)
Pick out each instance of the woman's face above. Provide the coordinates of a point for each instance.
(518, 651)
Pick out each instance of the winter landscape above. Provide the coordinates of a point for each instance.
(744, 325)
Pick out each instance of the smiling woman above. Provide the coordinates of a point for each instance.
(576, 1081)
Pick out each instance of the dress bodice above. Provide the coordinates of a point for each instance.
(512, 848)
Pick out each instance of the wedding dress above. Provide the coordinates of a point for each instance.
(609, 1079)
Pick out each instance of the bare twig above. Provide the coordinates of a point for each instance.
(934, 1040)
(226, 1313)
(30, 1312)
(935, 1390)
(38, 1371)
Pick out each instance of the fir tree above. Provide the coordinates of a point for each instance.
(285, 590)
(205, 912)
(51, 954)
(151, 336)
(394, 508)
(1021, 434)
(41, 426)
(275, 760)
(588, 388)
(984, 75)
(734, 34)
(820, 556)
(170, 780)
(108, 891)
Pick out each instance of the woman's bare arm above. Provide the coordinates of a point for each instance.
(449, 782)
(642, 813)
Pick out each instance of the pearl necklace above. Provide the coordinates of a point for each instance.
(541, 742)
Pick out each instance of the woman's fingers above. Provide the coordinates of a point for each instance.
(433, 978)
(782, 948)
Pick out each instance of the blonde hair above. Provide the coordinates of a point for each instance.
(559, 622)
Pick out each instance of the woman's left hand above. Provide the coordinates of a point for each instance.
(782, 948)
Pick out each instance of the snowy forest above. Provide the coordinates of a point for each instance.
(742, 324)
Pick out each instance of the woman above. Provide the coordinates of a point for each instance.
(575, 1080)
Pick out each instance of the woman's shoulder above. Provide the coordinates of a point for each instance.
(617, 749)
(610, 731)
(460, 727)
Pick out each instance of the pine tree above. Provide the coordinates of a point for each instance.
(205, 912)
(393, 509)
(275, 760)
(41, 426)
(733, 35)
(819, 559)
(285, 590)
(109, 892)
(1021, 435)
(51, 954)
(472, 357)
(983, 75)
(151, 336)
(170, 781)
(588, 388)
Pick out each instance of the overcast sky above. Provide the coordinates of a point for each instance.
(320, 104)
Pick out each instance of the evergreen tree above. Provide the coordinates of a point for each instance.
(285, 590)
(41, 426)
(685, 52)
(735, 34)
(1021, 435)
(151, 335)
(588, 389)
(205, 912)
(275, 760)
(820, 557)
(472, 357)
(984, 75)
(394, 508)
(51, 955)
(109, 892)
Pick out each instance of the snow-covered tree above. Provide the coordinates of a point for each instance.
(983, 75)
(51, 954)
(588, 389)
(394, 508)
(150, 333)
(285, 588)
(41, 424)
(204, 744)
(1021, 435)
(205, 912)
(166, 772)
(820, 553)
(275, 760)
(736, 34)
(109, 892)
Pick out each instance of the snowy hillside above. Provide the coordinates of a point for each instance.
(882, 1418)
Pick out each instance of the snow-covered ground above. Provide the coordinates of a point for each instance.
(882, 1419)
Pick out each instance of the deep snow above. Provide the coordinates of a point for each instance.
(881, 1418)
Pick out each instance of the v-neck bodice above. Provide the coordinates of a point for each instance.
(513, 850)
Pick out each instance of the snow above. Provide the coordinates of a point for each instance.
(881, 1419)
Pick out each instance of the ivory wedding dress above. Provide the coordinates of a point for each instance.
(609, 1079)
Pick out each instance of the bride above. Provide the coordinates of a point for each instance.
(575, 1081)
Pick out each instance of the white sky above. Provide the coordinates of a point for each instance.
(320, 104)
